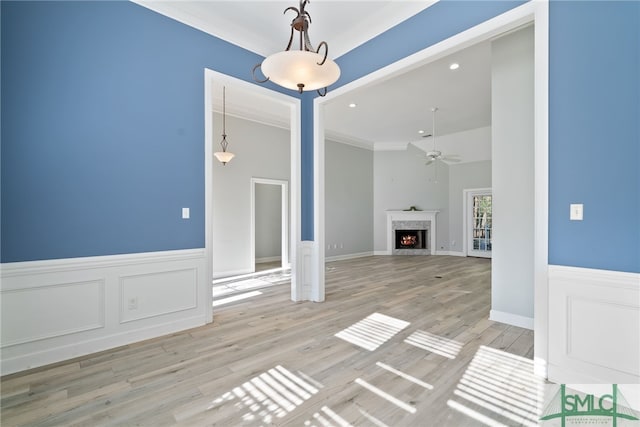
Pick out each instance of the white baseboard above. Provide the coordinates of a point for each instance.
(594, 326)
(54, 310)
(451, 253)
(348, 256)
(231, 273)
(511, 319)
(268, 259)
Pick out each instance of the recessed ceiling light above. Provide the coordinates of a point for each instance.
(420, 131)
(353, 105)
(454, 66)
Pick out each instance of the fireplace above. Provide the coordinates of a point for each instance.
(411, 232)
(411, 239)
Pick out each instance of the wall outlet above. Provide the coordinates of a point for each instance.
(453, 243)
(341, 246)
(132, 303)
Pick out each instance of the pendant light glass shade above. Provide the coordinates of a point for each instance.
(299, 70)
(224, 156)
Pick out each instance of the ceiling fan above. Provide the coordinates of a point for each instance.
(434, 155)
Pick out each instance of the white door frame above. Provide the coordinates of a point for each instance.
(466, 195)
(214, 78)
(284, 219)
(536, 12)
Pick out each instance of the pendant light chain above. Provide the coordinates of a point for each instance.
(224, 142)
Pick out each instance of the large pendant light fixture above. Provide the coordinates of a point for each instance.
(224, 156)
(304, 69)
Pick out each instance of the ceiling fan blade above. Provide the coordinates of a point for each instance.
(451, 159)
(430, 161)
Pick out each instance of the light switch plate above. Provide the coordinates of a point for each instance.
(185, 213)
(575, 212)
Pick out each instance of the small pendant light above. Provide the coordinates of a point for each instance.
(224, 156)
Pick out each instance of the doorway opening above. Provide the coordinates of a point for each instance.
(269, 224)
(247, 98)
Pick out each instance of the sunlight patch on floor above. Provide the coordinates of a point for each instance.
(435, 344)
(327, 418)
(373, 419)
(242, 285)
(388, 397)
(405, 376)
(372, 331)
(499, 384)
(268, 396)
(235, 298)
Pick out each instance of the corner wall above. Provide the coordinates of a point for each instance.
(512, 94)
(348, 201)
(401, 180)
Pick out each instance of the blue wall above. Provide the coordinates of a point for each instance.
(103, 128)
(102, 125)
(594, 127)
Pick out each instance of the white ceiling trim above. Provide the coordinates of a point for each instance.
(344, 31)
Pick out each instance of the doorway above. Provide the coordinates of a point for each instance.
(478, 224)
(531, 12)
(214, 80)
(269, 224)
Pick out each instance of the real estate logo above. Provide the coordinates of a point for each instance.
(573, 408)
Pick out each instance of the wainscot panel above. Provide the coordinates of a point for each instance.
(594, 326)
(55, 310)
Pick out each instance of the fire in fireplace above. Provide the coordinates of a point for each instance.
(411, 239)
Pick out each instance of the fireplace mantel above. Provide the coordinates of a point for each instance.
(396, 215)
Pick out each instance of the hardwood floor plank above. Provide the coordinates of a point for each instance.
(269, 361)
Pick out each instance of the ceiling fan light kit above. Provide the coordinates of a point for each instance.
(304, 69)
(435, 154)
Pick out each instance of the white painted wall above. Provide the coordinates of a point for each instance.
(513, 177)
(262, 152)
(348, 200)
(268, 206)
(461, 177)
(401, 179)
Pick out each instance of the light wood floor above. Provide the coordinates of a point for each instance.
(262, 266)
(414, 347)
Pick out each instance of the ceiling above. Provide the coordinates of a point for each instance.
(388, 113)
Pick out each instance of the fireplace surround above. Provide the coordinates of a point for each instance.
(410, 224)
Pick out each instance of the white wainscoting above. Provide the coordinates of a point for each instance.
(303, 290)
(55, 310)
(594, 326)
